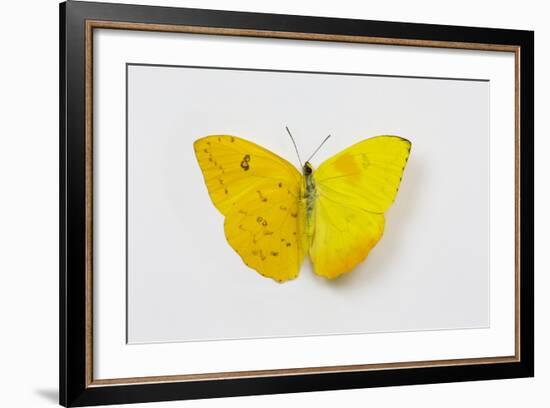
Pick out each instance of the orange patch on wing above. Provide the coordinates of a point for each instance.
(347, 165)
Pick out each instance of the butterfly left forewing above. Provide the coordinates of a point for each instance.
(257, 192)
(354, 189)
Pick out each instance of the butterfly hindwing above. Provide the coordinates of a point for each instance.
(343, 237)
(258, 193)
(354, 189)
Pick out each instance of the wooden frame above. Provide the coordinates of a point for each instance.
(77, 384)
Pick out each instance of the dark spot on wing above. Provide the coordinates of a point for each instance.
(245, 162)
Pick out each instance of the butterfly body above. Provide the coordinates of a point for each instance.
(308, 198)
(275, 216)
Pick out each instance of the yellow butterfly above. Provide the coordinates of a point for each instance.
(274, 215)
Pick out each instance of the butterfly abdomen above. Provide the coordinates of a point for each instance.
(308, 198)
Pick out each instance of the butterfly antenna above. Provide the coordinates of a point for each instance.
(316, 150)
(295, 147)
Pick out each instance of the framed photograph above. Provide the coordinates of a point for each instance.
(257, 203)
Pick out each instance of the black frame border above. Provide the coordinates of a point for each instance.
(72, 126)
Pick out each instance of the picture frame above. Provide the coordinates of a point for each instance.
(80, 293)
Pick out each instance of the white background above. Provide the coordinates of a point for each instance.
(435, 250)
(28, 165)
